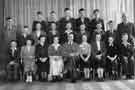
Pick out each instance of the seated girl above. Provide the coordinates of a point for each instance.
(112, 58)
(42, 59)
(85, 53)
(56, 61)
(28, 58)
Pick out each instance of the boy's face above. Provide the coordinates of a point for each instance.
(68, 13)
(56, 40)
(25, 30)
(53, 26)
(10, 22)
(70, 37)
(68, 26)
(82, 27)
(110, 39)
(39, 16)
(53, 15)
(124, 18)
(82, 13)
(98, 37)
(111, 25)
(97, 14)
(99, 26)
(84, 38)
(125, 37)
(38, 26)
(42, 39)
(13, 44)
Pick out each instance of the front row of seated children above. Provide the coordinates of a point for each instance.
(53, 62)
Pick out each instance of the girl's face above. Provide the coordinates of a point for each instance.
(38, 26)
(98, 37)
(13, 44)
(29, 43)
(82, 27)
(56, 40)
(42, 39)
(111, 25)
(53, 26)
(125, 37)
(84, 38)
(53, 15)
(99, 26)
(68, 13)
(68, 26)
(110, 39)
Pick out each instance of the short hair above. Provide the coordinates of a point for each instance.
(39, 12)
(25, 26)
(110, 22)
(82, 9)
(8, 18)
(13, 41)
(52, 12)
(29, 38)
(96, 10)
(83, 24)
(97, 34)
(38, 22)
(66, 9)
(56, 36)
(123, 34)
(41, 37)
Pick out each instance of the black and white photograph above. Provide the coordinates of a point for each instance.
(67, 45)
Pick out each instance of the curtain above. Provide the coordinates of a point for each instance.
(24, 11)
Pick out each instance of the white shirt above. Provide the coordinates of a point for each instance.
(38, 33)
(98, 45)
(70, 42)
(56, 46)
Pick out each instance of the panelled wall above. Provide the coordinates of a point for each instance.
(24, 11)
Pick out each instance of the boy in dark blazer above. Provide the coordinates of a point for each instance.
(98, 54)
(13, 61)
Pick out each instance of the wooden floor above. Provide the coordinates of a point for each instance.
(107, 85)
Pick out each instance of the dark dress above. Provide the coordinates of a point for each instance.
(43, 25)
(42, 52)
(127, 64)
(85, 21)
(112, 51)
